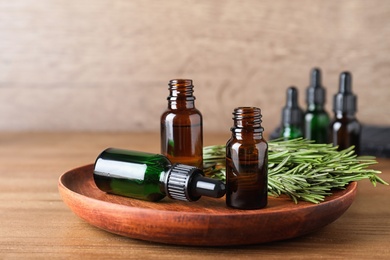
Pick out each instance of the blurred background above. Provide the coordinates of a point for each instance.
(98, 65)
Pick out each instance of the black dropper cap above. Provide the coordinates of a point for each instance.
(292, 114)
(187, 183)
(345, 101)
(315, 93)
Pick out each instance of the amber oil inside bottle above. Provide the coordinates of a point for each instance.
(345, 129)
(181, 126)
(246, 161)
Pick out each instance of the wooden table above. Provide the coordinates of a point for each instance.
(35, 223)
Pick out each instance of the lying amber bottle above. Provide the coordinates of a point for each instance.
(181, 126)
(246, 161)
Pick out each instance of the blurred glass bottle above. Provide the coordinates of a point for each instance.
(246, 161)
(316, 119)
(181, 126)
(292, 116)
(345, 129)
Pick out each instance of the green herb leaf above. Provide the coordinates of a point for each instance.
(301, 169)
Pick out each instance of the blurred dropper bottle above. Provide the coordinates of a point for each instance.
(316, 119)
(345, 129)
(151, 177)
(292, 116)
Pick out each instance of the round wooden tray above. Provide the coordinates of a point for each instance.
(207, 222)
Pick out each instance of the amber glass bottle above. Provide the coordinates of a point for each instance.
(246, 161)
(345, 128)
(181, 126)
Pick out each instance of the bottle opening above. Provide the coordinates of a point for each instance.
(247, 117)
(183, 82)
(181, 88)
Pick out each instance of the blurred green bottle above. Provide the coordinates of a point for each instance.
(316, 119)
(292, 116)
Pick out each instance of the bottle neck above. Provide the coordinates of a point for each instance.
(313, 107)
(179, 104)
(247, 123)
(344, 115)
(181, 94)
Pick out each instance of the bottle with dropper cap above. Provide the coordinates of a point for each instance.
(316, 119)
(151, 177)
(345, 128)
(292, 116)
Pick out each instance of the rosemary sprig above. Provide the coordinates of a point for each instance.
(301, 169)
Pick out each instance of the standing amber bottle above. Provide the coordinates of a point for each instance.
(246, 161)
(181, 126)
(345, 128)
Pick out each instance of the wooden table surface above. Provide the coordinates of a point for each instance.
(35, 223)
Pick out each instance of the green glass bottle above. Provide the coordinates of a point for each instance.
(292, 116)
(151, 177)
(316, 119)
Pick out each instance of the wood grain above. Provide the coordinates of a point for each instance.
(97, 65)
(35, 222)
(205, 223)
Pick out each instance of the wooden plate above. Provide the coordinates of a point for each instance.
(207, 222)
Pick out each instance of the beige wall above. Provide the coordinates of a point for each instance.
(104, 65)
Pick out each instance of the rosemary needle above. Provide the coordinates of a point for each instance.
(301, 169)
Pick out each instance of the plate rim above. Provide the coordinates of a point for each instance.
(63, 189)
